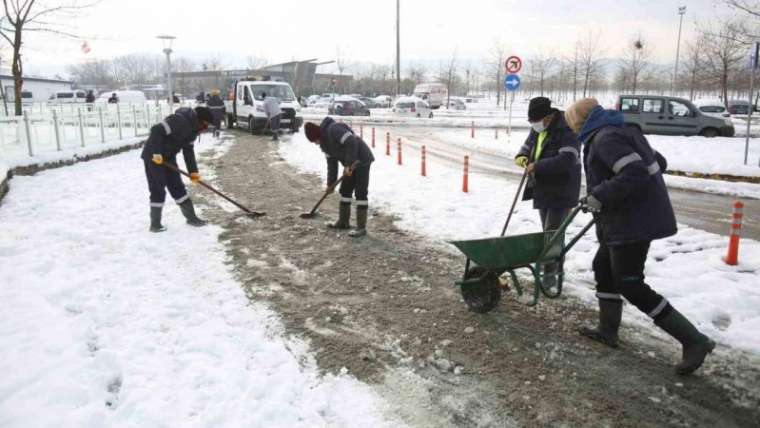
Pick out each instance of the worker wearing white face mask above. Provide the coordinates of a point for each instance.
(551, 158)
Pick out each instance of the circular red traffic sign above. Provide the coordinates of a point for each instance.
(513, 64)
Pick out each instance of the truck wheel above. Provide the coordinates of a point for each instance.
(252, 126)
(709, 132)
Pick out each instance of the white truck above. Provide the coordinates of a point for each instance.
(433, 93)
(246, 109)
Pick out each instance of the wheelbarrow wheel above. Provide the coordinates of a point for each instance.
(484, 295)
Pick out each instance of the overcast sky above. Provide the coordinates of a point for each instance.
(364, 31)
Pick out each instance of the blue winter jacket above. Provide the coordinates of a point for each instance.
(340, 144)
(625, 174)
(177, 132)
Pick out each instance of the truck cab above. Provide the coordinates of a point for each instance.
(246, 109)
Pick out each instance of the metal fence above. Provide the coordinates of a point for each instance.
(57, 128)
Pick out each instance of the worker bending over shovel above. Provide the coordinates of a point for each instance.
(340, 144)
(174, 134)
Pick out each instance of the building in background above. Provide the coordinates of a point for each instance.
(35, 89)
(301, 75)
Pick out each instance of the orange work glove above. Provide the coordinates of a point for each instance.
(158, 159)
(195, 177)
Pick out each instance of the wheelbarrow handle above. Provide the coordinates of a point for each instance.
(560, 232)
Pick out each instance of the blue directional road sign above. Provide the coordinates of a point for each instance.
(512, 82)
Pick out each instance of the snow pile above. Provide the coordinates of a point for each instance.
(686, 268)
(106, 324)
(718, 155)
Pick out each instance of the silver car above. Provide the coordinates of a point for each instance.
(671, 116)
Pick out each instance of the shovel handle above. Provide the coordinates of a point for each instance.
(174, 168)
(514, 202)
(331, 189)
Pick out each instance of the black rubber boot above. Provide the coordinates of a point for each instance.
(189, 212)
(361, 222)
(695, 345)
(610, 313)
(344, 216)
(155, 220)
(275, 136)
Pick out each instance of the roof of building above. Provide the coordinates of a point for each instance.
(36, 79)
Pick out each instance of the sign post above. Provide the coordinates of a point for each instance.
(511, 84)
(512, 66)
(753, 60)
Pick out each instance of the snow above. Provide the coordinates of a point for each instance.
(723, 301)
(687, 154)
(106, 324)
(718, 155)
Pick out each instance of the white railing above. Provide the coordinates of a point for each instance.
(56, 129)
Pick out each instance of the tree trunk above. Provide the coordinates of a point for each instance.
(17, 70)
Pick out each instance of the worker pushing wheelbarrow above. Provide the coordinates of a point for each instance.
(488, 259)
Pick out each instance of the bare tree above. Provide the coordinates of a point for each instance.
(724, 51)
(447, 74)
(37, 16)
(750, 7)
(417, 72)
(137, 69)
(255, 62)
(693, 67)
(540, 66)
(636, 62)
(496, 65)
(99, 73)
(590, 51)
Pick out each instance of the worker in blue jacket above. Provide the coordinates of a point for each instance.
(177, 132)
(551, 156)
(627, 194)
(340, 145)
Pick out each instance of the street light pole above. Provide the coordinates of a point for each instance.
(681, 11)
(398, 47)
(167, 40)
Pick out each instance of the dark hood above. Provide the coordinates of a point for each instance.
(188, 131)
(326, 122)
(598, 119)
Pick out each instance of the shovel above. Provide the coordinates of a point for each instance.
(313, 212)
(514, 202)
(250, 213)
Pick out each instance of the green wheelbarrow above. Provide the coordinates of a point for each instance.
(488, 260)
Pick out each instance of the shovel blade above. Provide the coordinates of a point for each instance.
(308, 215)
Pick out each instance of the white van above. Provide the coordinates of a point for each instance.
(247, 106)
(67, 97)
(412, 107)
(433, 93)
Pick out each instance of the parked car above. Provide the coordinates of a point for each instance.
(739, 107)
(412, 106)
(671, 116)
(713, 108)
(369, 102)
(67, 97)
(457, 104)
(348, 106)
(383, 101)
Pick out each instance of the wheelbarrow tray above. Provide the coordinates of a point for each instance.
(501, 253)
